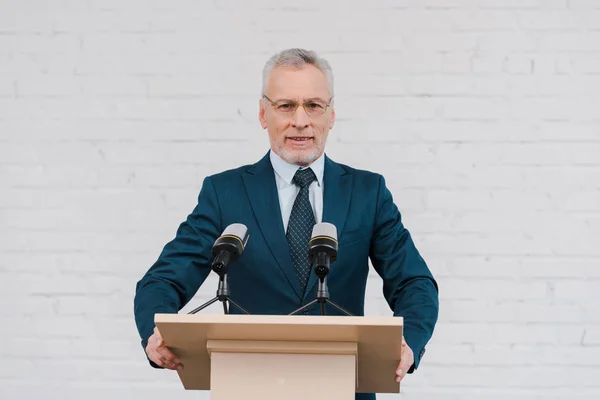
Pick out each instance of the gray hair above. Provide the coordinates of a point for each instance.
(297, 58)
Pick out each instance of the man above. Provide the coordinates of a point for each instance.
(279, 199)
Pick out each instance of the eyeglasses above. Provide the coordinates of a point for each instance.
(312, 107)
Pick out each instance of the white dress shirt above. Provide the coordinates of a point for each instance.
(284, 173)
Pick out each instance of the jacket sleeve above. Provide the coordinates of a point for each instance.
(182, 266)
(408, 285)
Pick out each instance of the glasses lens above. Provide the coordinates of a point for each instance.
(285, 107)
(315, 107)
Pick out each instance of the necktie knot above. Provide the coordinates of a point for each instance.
(304, 177)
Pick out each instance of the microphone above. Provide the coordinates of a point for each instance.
(322, 251)
(229, 247)
(323, 247)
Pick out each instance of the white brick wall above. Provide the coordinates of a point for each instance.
(484, 116)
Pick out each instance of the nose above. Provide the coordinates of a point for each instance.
(300, 119)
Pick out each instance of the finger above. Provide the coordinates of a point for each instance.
(402, 370)
(156, 338)
(168, 356)
(405, 362)
(165, 352)
(169, 365)
(156, 358)
(161, 361)
(172, 365)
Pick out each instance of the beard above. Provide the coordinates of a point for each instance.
(300, 159)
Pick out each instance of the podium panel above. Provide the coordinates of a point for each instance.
(282, 370)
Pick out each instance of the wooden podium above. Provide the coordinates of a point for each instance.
(284, 357)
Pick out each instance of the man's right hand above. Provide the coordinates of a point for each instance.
(160, 354)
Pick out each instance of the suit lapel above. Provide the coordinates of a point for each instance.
(259, 181)
(336, 201)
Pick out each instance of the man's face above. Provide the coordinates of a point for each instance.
(299, 138)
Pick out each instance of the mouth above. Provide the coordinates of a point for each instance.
(300, 139)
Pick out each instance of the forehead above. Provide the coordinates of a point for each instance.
(293, 83)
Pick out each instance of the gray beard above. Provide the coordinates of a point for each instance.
(301, 160)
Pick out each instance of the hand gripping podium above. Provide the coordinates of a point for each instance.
(284, 357)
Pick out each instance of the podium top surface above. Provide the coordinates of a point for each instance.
(321, 320)
(379, 341)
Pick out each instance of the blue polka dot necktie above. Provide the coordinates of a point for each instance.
(300, 225)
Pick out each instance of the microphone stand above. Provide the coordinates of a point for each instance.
(321, 270)
(222, 290)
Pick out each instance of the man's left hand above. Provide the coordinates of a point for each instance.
(406, 361)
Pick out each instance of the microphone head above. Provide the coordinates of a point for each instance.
(324, 229)
(233, 240)
(323, 240)
(237, 230)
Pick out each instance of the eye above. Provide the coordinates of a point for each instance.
(285, 106)
(315, 106)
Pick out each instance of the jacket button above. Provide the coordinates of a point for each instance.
(305, 310)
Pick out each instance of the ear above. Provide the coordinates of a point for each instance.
(261, 114)
(332, 119)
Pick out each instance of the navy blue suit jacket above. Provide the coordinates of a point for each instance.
(263, 280)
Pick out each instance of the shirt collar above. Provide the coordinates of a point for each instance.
(286, 171)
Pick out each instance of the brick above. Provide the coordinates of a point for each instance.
(440, 4)
(7, 87)
(447, 86)
(549, 20)
(45, 43)
(15, 369)
(583, 4)
(455, 63)
(465, 288)
(393, 108)
(114, 86)
(28, 306)
(569, 42)
(518, 65)
(517, 41)
(591, 336)
(17, 64)
(105, 305)
(491, 310)
(102, 21)
(441, 42)
(69, 284)
(14, 20)
(506, 333)
(484, 20)
(118, 6)
(468, 108)
(402, 20)
(50, 85)
(515, 356)
(556, 267)
(65, 349)
(583, 63)
(585, 291)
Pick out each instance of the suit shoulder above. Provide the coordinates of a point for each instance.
(228, 175)
(361, 174)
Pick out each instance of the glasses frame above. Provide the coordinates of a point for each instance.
(274, 105)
